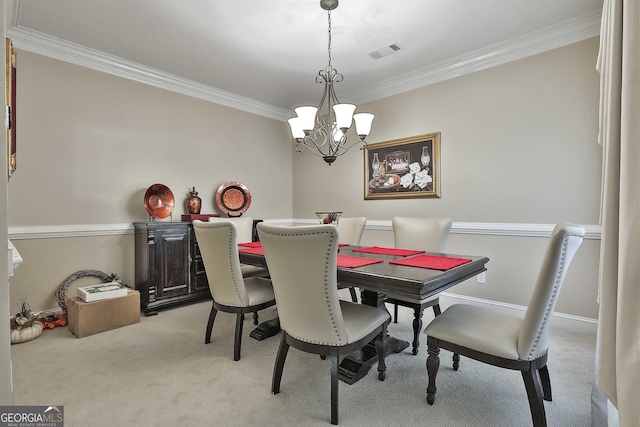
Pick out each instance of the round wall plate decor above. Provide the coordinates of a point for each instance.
(233, 198)
(159, 201)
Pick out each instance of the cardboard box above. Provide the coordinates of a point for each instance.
(89, 318)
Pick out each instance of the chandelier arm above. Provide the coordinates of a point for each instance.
(309, 147)
(312, 142)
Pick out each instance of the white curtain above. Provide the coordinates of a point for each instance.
(618, 359)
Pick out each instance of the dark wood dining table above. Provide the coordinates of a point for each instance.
(375, 281)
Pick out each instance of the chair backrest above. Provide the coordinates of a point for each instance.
(218, 245)
(565, 241)
(350, 230)
(244, 227)
(302, 266)
(429, 234)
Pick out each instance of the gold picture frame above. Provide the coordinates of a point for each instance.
(403, 168)
(10, 112)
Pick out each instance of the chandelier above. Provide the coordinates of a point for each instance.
(325, 133)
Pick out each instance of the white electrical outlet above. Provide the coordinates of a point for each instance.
(482, 277)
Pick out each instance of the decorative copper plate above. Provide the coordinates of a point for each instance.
(159, 201)
(233, 198)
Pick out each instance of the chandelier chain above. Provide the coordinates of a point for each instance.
(329, 44)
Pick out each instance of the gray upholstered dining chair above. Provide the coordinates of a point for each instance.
(428, 234)
(303, 265)
(244, 226)
(230, 291)
(507, 341)
(350, 232)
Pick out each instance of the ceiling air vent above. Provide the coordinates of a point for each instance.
(385, 51)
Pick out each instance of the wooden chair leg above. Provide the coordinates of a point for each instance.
(546, 383)
(238, 338)
(212, 318)
(436, 310)
(534, 393)
(380, 350)
(456, 357)
(417, 327)
(334, 389)
(354, 295)
(283, 349)
(433, 363)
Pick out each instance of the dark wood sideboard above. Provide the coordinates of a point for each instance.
(169, 269)
(168, 266)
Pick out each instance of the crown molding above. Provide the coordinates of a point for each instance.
(562, 34)
(43, 44)
(565, 33)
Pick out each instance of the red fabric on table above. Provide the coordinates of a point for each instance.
(251, 244)
(389, 251)
(347, 261)
(432, 262)
(259, 244)
(253, 251)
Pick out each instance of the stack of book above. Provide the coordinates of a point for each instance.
(102, 291)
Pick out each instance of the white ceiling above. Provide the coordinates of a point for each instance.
(263, 56)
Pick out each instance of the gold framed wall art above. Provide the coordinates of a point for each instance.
(403, 168)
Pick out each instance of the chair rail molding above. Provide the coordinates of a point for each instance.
(479, 228)
(577, 324)
(72, 230)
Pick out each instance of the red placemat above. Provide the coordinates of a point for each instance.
(253, 251)
(432, 262)
(389, 251)
(342, 244)
(347, 261)
(251, 244)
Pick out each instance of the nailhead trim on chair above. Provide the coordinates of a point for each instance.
(234, 279)
(326, 278)
(326, 295)
(553, 297)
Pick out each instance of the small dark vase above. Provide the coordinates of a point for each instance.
(193, 202)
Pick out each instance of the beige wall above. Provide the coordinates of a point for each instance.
(518, 146)
(48, 262)
(89, 146)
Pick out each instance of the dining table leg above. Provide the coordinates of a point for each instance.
(356, 365)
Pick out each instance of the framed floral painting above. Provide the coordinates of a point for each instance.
(403, 168)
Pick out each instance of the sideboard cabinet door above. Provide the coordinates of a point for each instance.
(167, 270)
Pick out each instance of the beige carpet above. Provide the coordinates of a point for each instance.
(160, 373)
